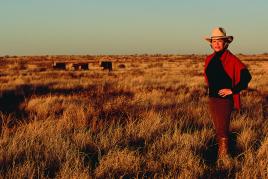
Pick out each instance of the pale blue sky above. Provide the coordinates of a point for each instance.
(40, 27)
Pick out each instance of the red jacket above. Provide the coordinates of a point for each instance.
(232, 65)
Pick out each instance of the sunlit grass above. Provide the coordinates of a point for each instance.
(148, 119)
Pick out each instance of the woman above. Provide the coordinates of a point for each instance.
(226, 76)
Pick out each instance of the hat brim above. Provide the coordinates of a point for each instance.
(228, 38)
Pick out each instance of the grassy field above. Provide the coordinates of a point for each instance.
(145, 119)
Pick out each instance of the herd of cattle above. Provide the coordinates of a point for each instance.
(105, 65)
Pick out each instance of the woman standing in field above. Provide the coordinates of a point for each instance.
(226, 76)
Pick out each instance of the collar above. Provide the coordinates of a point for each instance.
(221, 54)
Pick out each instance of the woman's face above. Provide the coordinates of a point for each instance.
(217, 44)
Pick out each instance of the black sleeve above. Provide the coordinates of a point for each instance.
(245, 78)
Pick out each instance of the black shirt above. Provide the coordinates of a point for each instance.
(218, 79)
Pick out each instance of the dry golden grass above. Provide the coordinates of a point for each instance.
(146, 118)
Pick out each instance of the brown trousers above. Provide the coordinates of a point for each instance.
(220, 110)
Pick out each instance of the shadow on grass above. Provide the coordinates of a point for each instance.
(233, 149)
(265, 107)
(90, 155)
(52, 168)
(218, 173)
(11, 100)
(209, 154)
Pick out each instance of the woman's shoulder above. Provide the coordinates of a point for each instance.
(231, 57)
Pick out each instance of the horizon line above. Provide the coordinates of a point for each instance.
(129, 54)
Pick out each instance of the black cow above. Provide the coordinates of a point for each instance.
(107, 65)
(84, 66)
(59, 65)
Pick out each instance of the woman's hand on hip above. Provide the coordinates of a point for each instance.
(225, 92)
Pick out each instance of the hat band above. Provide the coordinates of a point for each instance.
(219, 37)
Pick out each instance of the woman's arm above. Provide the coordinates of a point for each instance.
(245, 78)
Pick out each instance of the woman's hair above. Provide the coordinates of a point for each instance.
(226, 44)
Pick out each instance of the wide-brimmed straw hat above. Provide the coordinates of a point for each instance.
(219, 33)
